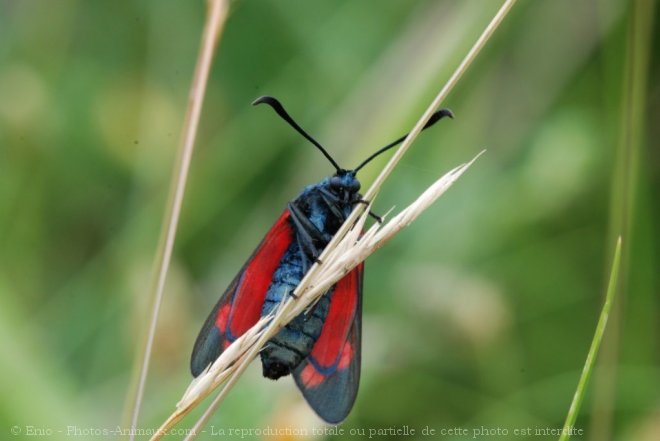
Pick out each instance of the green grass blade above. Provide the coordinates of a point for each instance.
(595, 344)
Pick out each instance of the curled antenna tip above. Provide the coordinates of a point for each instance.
(279, 109)
(266, 100)
(437, 116)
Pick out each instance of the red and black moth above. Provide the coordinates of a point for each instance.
(321, 347)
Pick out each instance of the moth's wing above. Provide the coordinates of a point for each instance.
(240, 306)
(329, 377)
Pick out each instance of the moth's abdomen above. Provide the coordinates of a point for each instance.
(294, 342)
(284, 352)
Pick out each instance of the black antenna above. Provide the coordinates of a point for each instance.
(437, 116)
(277, 106)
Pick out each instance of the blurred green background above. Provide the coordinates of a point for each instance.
(478, 316)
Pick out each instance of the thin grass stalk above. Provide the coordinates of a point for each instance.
(442, 95)
(595, 344)
(628, 161)
(215, 19)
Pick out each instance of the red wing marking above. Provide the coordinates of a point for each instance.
(311, 377)
(330, 346)
(346, 356)
(329, 377)
(222, 317)
(256, 278)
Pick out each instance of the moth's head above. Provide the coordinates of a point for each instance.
(344, 185)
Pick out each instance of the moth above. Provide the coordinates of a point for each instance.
(320, 348)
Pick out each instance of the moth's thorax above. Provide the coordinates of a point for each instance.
(329, 202)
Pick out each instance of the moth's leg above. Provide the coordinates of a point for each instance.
(371, 213)
(307, 232)
(375, 216)
(331, 201)
(305, 262)
(304, 258)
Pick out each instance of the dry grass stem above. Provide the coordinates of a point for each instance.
(444, 92)
(216, 15)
